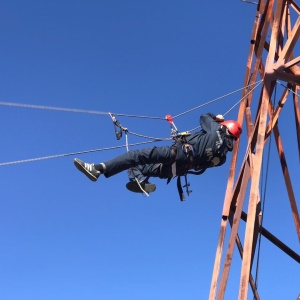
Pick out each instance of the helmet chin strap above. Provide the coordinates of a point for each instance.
(225, 130)
(227, 133)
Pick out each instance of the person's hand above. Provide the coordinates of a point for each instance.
(219, 118)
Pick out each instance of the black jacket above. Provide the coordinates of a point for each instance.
(210, 144)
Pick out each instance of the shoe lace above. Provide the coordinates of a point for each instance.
(90, 167)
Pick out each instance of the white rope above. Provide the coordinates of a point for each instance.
(216, 99)
(150, 137)
(70, 154)
(258, 83)
(74, 110)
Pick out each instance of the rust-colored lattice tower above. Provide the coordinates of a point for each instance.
(272, 59)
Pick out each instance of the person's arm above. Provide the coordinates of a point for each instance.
(210, 122)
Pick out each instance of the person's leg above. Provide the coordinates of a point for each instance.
(124, 162)
(139, 175)
(143, 172)
(148, 156)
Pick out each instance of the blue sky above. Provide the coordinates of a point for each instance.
(65, 237)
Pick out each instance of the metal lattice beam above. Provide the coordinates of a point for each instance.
(275, 35)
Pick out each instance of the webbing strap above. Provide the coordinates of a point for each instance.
(180, 190)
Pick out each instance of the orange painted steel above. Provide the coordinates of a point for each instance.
(275, 34)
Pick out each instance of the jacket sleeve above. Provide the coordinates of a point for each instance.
(208, 123)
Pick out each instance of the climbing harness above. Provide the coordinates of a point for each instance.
(181, 158)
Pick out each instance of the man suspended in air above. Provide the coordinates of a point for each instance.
(198, 151)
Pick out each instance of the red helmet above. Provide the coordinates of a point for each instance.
(234, 128)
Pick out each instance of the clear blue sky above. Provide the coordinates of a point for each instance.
(65, 237)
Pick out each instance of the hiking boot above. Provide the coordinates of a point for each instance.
(87, 169)
(147, 187)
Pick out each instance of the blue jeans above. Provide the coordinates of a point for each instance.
(143, 172)
(143, 163)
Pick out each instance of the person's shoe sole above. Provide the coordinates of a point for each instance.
(79, 164)
(134, 187)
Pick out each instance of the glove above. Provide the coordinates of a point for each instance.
(219, 118)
